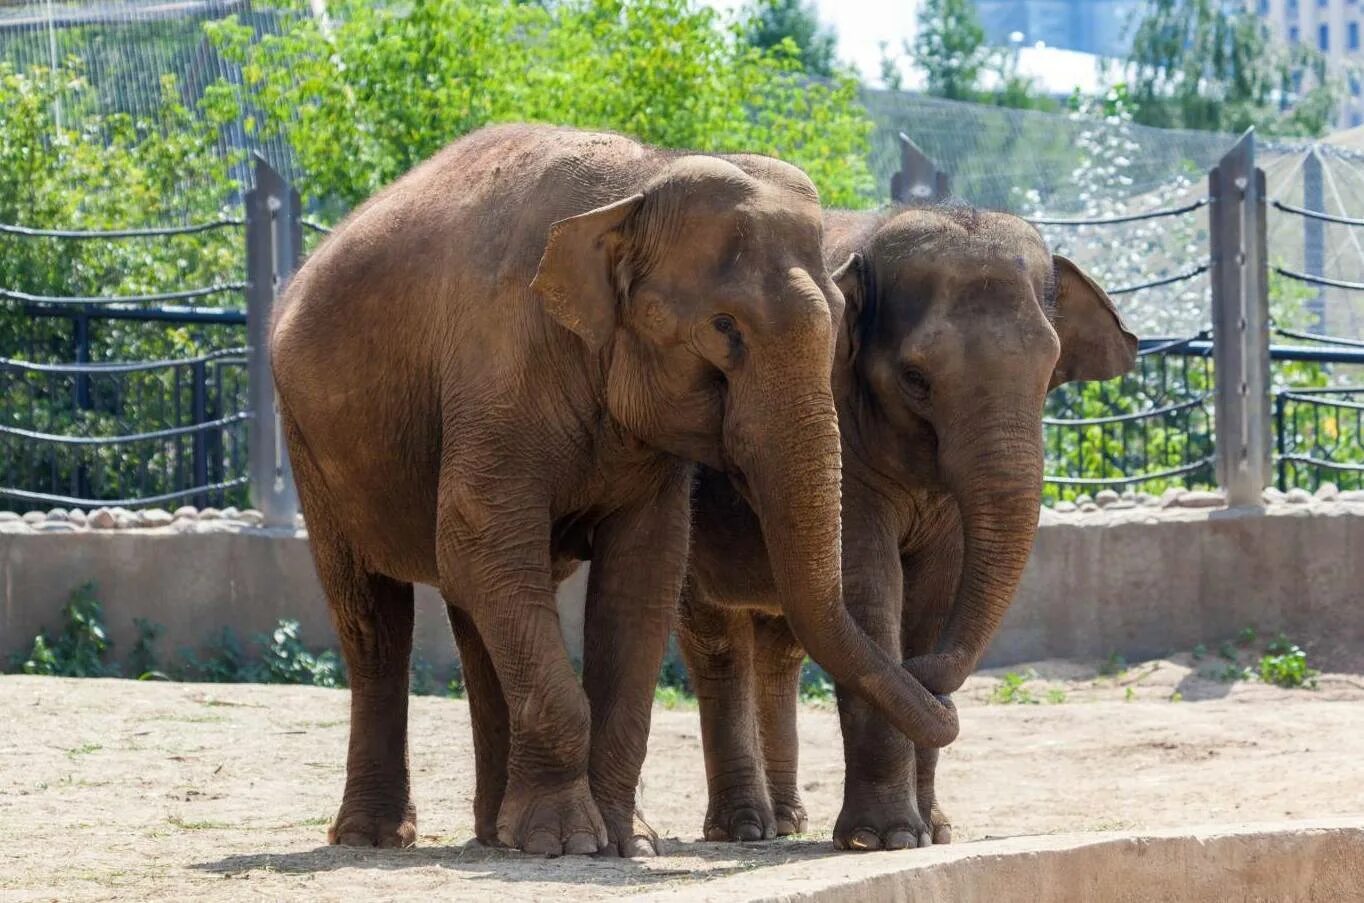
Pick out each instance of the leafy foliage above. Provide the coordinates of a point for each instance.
(772, 22)
(815, 685)
(285, 660)
(386, 86)
(1204, 64)
(1285, 664)
(79, 650)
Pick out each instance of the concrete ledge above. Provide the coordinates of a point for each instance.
(1307, 861)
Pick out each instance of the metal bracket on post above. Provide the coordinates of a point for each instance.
(1240, 315)
(274, 240)
(919, 180)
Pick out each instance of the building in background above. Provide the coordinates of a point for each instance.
(1101, 27)
(1331, 26)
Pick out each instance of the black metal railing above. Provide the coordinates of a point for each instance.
(1319, 436)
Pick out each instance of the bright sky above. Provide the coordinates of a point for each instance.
(861, 26)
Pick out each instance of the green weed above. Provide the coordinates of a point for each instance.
(1012, 691)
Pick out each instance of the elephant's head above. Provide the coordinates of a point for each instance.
(706, 302)
(958, 324)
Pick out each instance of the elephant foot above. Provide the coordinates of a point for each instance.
(881, 825)
(740, 816)
(556, 821)
(356, 828)
(630, 837)
(940, 825)
(790, 816)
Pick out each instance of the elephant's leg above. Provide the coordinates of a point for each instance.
(717, 644)
(931, 576)
(777, 660)
(639, 558)
(879, 809)
(493, 545)
(492, 729)
(373, 616)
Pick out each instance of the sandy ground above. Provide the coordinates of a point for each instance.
(125, 790)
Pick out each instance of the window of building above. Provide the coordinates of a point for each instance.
(1356, 119)
(1323, 37)
(1293, 5)
(1293, 34)
(1321, 4)
(1354, 84)
(1352, 34)
(1264, 7)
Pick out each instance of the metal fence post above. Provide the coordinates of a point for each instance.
(1314, 237)
(919, 180)
(198, 375)
(274, 239)
(1240, 316)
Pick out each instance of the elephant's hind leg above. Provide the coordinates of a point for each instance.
(776, 661)
(717, 645)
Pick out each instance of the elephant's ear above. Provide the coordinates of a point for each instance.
(576, 277)
(850, 282)
(1095, 343)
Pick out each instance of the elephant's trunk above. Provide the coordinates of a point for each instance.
(993, 462)
(794, 475)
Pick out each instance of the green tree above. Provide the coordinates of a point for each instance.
(386, 86)
(773, 21)
(951, 49)
(1203, 64)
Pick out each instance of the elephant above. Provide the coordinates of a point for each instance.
(958, 322)
(511, 359)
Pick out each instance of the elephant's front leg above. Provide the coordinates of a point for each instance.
(494, 555)
(639, 558)
(491, 727)
(717, 644)
(879, 807)
(776, 665)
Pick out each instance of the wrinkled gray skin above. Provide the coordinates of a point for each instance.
(510, 360)
(956, 326)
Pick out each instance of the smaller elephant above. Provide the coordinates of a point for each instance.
(958, 323)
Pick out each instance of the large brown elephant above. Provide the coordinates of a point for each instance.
(958, 322)
(509, 360)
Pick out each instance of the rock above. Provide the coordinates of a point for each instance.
(32, 518)
(231, 513)
(298, 521)
(1328, 492)
(1065, 507)
(1200, 499)
(9, 516)
(188, 512)
(1046, 516)
(1171, 496)
(155, 517)
(251, 516)
(77, 517)
(1129, 496)
(1298, 496)
(58, 514)
(126, 521)
(1089, 508)
(1121, 504)
(1105, 497)
(1146, 498)
(1083, 499)
(210, 514)
(103, 519)
(55, 526)
(1349, 495)
(1272, 495)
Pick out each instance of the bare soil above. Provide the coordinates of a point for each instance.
(126, 790)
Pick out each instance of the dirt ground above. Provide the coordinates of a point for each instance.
(126, 790)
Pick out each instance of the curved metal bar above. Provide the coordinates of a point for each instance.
(74, 501)
(1317, 400)
(185, 294)
(1320, 462)
(1167, 280)
(1128, 418)
(81, 234)
(131, 437)
(1320, 280)
(1112, 220)
(1316, 214)
(315, 226)
(1324, 339)
(1139, 478)
(1162, 346)
(135, 367)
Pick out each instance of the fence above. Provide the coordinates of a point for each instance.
(75, 432)
(1217, 407)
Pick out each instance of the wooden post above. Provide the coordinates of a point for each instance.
(274, 240)
(919, 180)
(1240, 316)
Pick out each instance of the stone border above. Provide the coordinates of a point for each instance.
(1307, 860)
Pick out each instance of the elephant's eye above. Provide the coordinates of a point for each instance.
(916, 384)
(724, 324)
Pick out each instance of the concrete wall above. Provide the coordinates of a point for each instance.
(1140, 582)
